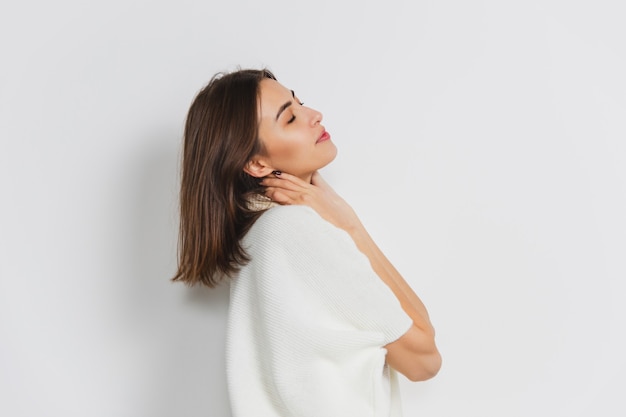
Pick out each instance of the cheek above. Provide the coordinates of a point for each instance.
(287, 148)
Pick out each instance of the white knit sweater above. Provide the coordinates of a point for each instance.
(308, 320)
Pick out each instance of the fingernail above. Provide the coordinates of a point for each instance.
(277, 173)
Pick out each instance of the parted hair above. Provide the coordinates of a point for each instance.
(221, 136)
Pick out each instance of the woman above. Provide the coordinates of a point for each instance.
(319, 319)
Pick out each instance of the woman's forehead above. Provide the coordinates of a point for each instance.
(272, 95)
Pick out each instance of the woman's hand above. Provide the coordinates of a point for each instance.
(287, 189)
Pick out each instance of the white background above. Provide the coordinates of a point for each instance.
(483, 144)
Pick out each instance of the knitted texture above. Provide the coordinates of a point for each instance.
(308, 320)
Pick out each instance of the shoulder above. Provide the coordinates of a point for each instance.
(285, 224)
(289, 219)
(289, 212)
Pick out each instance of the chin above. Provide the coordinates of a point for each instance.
(331, 156)
(330, 159)
(319, 162)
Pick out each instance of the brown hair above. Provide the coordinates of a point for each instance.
(221, 136)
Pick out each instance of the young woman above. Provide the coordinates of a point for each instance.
(319, 319)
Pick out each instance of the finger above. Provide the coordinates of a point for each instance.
(291, 178)
(320, 182)
(316, 179)
(281, 183)
(280, 196)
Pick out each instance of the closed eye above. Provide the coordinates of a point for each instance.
(293, 117)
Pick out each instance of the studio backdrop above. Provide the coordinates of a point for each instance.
(482, 143)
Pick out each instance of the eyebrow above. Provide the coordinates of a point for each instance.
(284, 106)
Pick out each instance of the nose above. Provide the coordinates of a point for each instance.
(316, 117)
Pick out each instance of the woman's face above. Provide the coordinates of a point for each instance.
(294, 141)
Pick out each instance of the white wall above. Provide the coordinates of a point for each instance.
(483, 143)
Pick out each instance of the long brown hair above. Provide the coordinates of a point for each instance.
(221, 136)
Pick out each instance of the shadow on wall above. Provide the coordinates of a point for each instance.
(179, 331)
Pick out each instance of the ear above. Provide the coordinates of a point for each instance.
(258, 167)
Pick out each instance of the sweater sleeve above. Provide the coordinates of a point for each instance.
(317, 266)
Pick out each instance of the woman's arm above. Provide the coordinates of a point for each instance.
(415, 354)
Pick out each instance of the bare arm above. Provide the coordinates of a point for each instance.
(414, 354)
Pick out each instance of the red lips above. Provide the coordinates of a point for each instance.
(325, 136)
